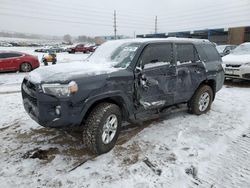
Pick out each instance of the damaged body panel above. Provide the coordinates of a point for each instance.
(145, 76)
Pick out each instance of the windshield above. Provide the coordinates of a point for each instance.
(242, 49)
(220, 48)
(116, 53)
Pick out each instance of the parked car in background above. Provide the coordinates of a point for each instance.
(80, 48)
(125, 80)
(92, 48)
(17, 61)
(237, 63)
(225, 49)
(5, 44)
(48, 49)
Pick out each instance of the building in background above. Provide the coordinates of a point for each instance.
(235, 35)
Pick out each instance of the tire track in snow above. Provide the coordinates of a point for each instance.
(232, 168)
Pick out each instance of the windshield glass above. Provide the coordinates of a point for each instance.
(220, 48)
(242, 49)
(116, 53)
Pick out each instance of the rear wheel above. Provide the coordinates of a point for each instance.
(201, 101)
(102, 128)
(26, 67)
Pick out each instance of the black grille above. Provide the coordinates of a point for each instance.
(30, 98)
(230, 65)
(28, 92)
(29, 85)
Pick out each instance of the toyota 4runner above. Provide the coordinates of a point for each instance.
(125, 80)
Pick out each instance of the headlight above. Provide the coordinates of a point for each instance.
(60, 90)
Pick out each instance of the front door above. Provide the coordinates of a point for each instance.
(156, 81)
(6, 62)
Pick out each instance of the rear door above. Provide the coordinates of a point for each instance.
(155, 85)
(190, 71)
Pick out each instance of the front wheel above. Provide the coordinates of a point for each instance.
(102, 128)
(201, 101)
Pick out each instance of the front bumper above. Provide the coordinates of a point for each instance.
(237, 71)
(42, 108)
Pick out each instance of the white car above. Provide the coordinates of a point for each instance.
(237, 63)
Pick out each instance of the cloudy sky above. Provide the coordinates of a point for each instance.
(95, 17)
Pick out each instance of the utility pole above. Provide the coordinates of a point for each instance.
(115, 25)
(156, 25)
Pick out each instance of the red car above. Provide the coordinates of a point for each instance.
(81, 48)
(17, 61)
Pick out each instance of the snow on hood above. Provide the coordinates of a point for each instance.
(236, 59)
(66, 71)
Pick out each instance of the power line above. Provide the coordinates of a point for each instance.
(66, 21)
(101, 19)
(97, 12)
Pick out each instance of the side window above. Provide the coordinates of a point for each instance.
(10, 55)
(211, 53)
(155, 55)
(1, 55)
(186, 53)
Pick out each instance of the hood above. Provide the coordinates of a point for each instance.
(236, 59)
(68, 71)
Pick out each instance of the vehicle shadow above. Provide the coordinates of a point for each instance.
(237, 83)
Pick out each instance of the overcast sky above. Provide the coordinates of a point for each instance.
(95, 17)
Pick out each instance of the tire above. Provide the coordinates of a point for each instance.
(94, 135)
(201, 102)
(45, 63)
(25, 67)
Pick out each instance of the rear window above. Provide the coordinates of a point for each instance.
(211, 53)
(186, 53)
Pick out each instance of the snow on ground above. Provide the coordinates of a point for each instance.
(178, 150)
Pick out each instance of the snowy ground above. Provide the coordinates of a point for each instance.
(179, 150)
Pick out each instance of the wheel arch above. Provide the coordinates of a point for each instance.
(211, 83)
(117, 100)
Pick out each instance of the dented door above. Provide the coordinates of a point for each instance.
(156, 81)
(190, 71)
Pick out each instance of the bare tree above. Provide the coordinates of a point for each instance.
(67, 38)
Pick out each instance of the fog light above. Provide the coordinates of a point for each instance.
(58, 110)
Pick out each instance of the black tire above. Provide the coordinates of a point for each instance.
(45, 62)
(25, 67)
(93, 129)
(196, 102)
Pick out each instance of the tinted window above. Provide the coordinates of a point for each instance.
(10, 55)
(186, 53)
(211, 53)
(157, 53)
